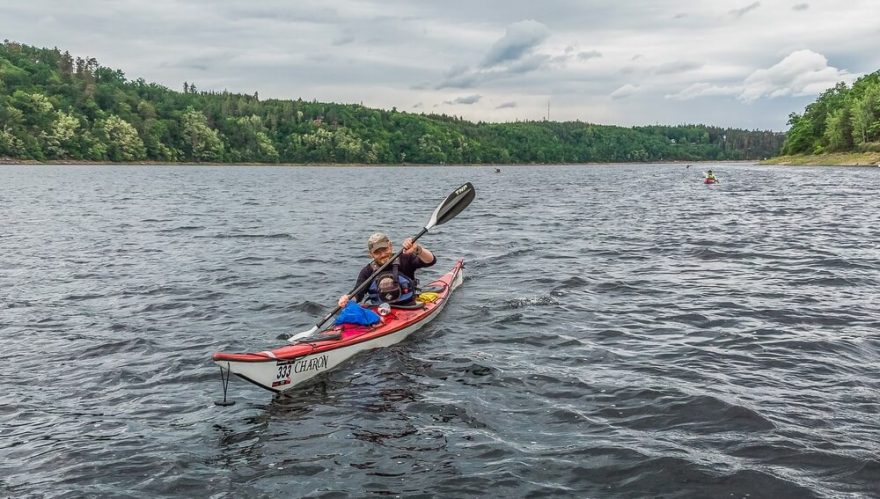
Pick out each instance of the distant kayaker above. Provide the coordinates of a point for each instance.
(397, 283)
(710, 176)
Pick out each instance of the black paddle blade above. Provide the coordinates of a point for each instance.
(454, 204)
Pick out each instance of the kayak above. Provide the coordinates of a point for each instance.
(285, 367)
(709, 181)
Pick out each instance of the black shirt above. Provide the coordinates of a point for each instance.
(407, 265)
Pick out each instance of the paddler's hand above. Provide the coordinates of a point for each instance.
(410, 248)
(343, 300)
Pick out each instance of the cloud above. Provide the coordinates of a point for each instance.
(457, 70)
(743, 11)
(801, 73)
(199, 62)
(801, 6)
(572, 53)
(466, 100)
(675, 67)
(525, 65)
(506, 105)
(300, 12)
(467, 80)
(705, 90)
(472, 77)
(511, 55)
(519, 39)
(625, 91)
(587, 55)
(343, 40)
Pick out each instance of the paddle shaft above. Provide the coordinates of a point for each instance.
(454, 204)
(362, 286)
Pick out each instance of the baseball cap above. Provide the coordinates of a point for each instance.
(378, 240)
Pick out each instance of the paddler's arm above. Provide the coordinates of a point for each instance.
(423, 253)
(364, 274)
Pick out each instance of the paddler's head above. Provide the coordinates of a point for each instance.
(380, 248)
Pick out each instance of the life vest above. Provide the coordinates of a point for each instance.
(391, 287)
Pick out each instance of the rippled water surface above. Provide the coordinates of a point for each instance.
(623, 331)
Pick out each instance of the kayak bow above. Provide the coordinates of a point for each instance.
(287, 366)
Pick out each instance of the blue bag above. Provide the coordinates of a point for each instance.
(355, 314)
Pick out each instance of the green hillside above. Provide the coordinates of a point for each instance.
(57, 107)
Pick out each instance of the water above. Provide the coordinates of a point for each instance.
(623, 331)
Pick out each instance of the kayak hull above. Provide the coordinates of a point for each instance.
(709, 181)
(285, 367)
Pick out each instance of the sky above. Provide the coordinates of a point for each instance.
(729, 63)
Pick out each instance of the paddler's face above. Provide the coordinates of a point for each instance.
(381, 255)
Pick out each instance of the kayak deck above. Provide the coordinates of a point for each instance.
(284, 367)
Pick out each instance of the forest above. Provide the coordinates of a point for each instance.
(56, 107)
(843, 119)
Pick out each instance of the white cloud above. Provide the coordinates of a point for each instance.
(801, 73)
(705, 90)
(625, 91)
(675, 67)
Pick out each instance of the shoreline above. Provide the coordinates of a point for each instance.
(73, 162)
(831, 159)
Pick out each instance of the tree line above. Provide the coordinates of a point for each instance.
(842, 119)
(57, 107)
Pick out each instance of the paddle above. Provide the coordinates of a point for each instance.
(454, 204)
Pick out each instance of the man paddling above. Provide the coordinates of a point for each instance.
(398, 283)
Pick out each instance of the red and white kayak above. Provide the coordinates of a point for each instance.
(283, 368)
(709, 181)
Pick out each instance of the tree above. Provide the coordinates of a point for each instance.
(61, 138)
(121, 138)
(203, 143)
(866, 116)
(838, 130)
